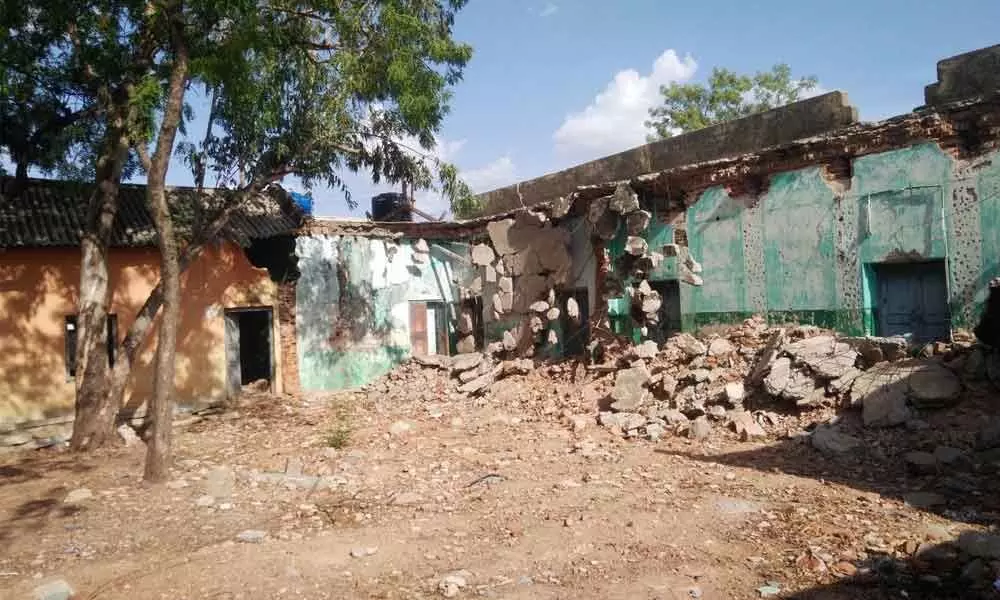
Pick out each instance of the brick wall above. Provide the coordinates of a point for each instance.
(287, 332)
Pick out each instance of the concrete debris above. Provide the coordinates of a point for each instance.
(735, 392)
(689, 345)
(624, 200)
(465, 362)
(630, 390)
(720, 347)
(746, 427)
(482, 255)
(636, 222)
(700, 428)
(636, 246)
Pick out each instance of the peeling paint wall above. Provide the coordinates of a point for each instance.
(353, 304)
(803, 250)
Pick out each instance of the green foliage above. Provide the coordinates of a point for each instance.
(726, 96)
(307, 88)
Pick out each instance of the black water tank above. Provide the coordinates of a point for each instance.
(391, 206)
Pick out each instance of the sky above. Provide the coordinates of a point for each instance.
(553, 83)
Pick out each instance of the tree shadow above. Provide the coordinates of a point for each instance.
(951, 570)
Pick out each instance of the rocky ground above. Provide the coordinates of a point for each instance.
(412, 489)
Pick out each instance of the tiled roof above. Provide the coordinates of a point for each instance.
(47, 212)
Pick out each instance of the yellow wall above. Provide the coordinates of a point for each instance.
(38, 289)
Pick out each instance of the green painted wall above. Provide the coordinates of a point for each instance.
(804, 250)
(353, 304)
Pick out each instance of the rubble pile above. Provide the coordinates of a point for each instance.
(691, 384)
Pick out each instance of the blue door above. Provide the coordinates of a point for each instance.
(913, 299)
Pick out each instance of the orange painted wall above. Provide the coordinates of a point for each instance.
(38, 289)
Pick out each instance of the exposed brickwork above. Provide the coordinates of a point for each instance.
(287, 332)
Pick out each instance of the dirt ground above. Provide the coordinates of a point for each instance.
(514, 500)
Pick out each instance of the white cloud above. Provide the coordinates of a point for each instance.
(548, 10)
(491, 176)
(614, 120)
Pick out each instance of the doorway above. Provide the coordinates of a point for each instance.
(575, 332)
(670, 310)
(912, 298)
(249, 349)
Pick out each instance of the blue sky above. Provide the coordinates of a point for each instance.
(557, 82)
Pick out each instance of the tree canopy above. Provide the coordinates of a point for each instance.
(725, 96)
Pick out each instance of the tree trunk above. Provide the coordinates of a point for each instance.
(95, 414)
(161, 409)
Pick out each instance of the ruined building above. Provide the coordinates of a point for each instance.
(800, 214)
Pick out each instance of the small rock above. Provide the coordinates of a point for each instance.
(700, 428)
(400, 428)
(205, 501)
(746, 426)
(689, 345)
(363, 552)
(57, 589)
(451, 585)
(630, 392)
(251, 536)
(720, 347)
(735, 392)
(647, 349)
(482, 255)
(829, 440)
(78, 495)
(655, 431)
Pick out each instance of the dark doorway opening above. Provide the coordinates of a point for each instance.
(249, 351)
(575, 332)
(912, 298)
(670, 310)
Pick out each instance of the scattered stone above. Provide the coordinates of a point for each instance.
(720, 347)
(829, 440)
(886, 407)
(251, 536)
(205, 501)
(58, 589)
(220, 482)
(477, 385)
(572, 308)
(363, 552)
(466, 361)
(672, 416)
(539, 306)
(655, 431)
(924, 500)
(482, 255)
(78, 495)
(624, 421)
(630, 391)
(777, 380)
(667, 386)
(647, 349)
(700, 428)
(734, 392)
(451, 585)
(767, 356)
(746, 426)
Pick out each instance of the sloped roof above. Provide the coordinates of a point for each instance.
(46, 212)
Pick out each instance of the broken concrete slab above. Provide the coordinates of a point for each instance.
(482, 255)
(886, 407)
(432, 360)
(746, 426)
(688, 344)
(464, 362)
(800, 386)
(767, 356)
(477, 385)
(624, 200)
(828, 358)
(781, 373)
(630, 390)
(499, 235)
